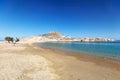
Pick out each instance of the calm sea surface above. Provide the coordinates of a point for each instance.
(104, 49)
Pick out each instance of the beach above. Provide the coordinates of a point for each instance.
(28, 62)
(17, 62)
(60, 40)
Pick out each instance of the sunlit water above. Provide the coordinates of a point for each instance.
(104, 49)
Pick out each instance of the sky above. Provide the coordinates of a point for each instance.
(75, 18)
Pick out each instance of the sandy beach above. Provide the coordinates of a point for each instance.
(19, 63)
(28, 62)
(59, 39)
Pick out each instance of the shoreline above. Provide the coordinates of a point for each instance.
(103, 53)
(36, 63)
(81, 67)
(99, 60)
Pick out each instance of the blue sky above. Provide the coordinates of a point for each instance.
(77, 18)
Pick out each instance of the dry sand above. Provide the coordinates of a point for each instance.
(27, 62)
(17, 65)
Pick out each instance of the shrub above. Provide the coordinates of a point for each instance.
(9, 39)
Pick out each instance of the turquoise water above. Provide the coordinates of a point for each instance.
(104, 49)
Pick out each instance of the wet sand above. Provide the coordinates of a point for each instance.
(79, 66)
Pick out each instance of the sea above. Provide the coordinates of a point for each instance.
(101, 49)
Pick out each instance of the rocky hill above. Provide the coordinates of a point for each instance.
(56, 36)
(53, 35)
